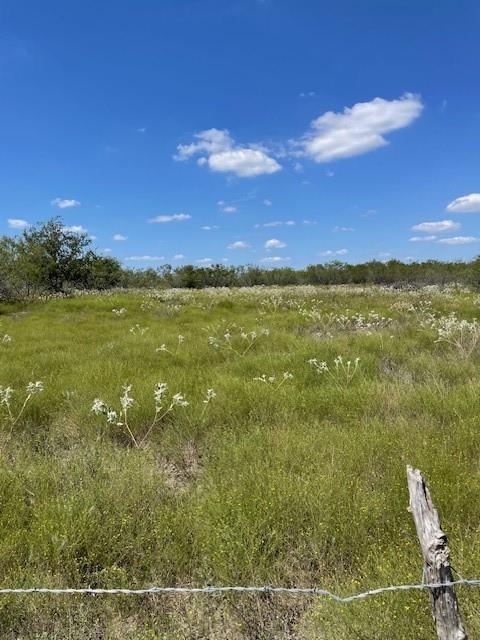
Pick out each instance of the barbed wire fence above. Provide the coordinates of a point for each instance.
(437, 573)
(266, 589)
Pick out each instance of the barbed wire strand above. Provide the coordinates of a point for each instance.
(313, 591)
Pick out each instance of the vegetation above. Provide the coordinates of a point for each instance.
(240, 450)
(51, 258)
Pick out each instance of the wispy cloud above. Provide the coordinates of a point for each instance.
(267, 202)
(423, 238)
(210, 227)
(338, 229)
(459, 240)
(221, 153)
(229, 209)
(17, 223)
(239, 244)
(204, 261)
(465, 204)
(276, 223)
(146, 258)
(334, 252)
(64, 203)
(174, 217)
(358, 129)
(437, 227)
(275, 259)
(179, 256)
(119, 237)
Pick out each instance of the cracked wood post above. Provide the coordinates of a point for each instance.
(436, 555)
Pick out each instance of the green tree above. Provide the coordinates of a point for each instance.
(53, 257)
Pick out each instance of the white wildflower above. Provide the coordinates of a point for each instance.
(5, 395)
(159, 393)
(126, 400)
(179, 400)
(211, 395)
(112, 417)
(34, 387)
(98, 406)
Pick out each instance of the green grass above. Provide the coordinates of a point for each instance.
(302, 485)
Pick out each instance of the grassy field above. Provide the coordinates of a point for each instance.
(296, 478)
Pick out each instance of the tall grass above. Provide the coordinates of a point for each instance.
(299, 484)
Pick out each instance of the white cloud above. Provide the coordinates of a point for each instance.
(306, 94)
(16, 223)
(119, 237)
(75, 228)
(208, 227)
(92, 238)
(423, 239)
(342, 229)
(174, 217)
(331, 252)
(145, 258)
(275, 223)
(142, 129)
(106, 250)
(229, 209)
(240, 244)
(267, 202)
(63, 203)
(358, 129)
(465, 204)
(179, 256)
(274, 244)
(223, 155)
(244, 163)
(437, 227)
(204, 261)
(459, 240)
(329, 174)
(275, 259)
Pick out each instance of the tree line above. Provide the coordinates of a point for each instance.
(50, 258)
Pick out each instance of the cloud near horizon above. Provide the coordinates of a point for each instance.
(17, 223)
(145, 258)
(437, 227)
(459, 240)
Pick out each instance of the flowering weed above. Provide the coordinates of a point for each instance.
(342, 372)
(6, 393)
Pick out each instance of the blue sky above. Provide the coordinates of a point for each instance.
(271, 132)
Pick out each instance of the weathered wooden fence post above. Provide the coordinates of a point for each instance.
(436, 555)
